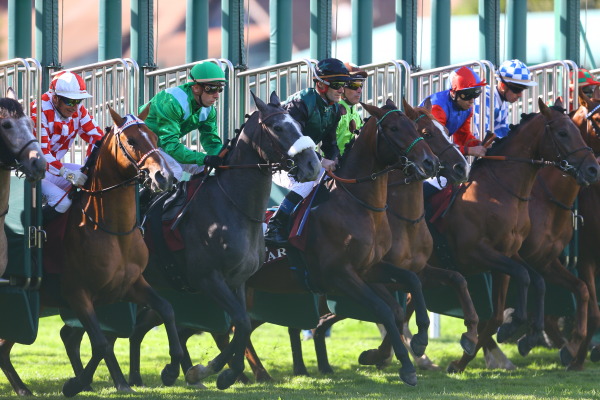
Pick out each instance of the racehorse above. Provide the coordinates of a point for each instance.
(222, 228)
(104, 251)
(411, 244)
(20, 151)
(489, 219)
(340, 250)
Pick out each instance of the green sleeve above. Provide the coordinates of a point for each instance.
(166, 123)
(209, 135)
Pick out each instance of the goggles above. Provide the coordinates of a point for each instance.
(516, 89)
(353, 85)
(70, 102)
(211, 89)
(588, 90)
(335, 85)
(469, 94)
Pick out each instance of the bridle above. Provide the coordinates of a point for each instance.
(10, 160)
(141, 176)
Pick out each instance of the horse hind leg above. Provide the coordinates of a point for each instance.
(71, 338)
(9, 370)
(145, 320)
(325, 323)
(535, 334)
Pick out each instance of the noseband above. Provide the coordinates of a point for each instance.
(403, 161)
(563, 164)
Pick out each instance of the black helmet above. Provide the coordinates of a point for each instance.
(332, 69)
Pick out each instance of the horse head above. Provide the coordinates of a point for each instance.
(398, 142)
(286, 141)
(563, 141)
(20, 150)
(139, 151)
(453, 165)
(587, 118)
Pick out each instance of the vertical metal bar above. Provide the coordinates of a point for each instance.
(142, 36)
(406, 31)
(109, 30)
(19, 29)
(440, 33)
(566, 30)
(489, 30)
(516, 24)
(320, 29)
(46, 37)
(362, 32)
(196, 30)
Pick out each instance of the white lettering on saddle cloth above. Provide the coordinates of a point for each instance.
(274, 254)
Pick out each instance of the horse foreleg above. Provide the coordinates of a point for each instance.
(409, 280)
(71, 338)
(9, 370)
(325, 323)
(353, 286)
(235, 305)
(142, 293)
(145, 320)
(432, 276)
(299, 367)
(260, 372)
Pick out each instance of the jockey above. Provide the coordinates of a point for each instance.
(351, 120)
(587, 83)
(453, 108)
(179, 110)
(62, 118)
(318, 113)
(513, 78)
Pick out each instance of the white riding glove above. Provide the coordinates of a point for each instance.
(76, 177)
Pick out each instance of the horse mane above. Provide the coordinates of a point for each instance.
(90, 164)
(10, 108)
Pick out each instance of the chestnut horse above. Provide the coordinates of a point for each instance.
(412, 245)
(341, 251)
(20, 151)
(222, 229)
(105, 253)
(489, 219)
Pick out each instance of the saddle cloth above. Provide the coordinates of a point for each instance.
(53, 253)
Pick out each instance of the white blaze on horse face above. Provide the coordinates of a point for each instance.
(443, 130)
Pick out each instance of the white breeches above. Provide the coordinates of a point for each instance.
(281, 178)
(178, 169)
(55, 188)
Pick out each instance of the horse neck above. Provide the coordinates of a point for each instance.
(116, 205)
(404, 199)
(553, 185)
(361, 162)
(4, 190)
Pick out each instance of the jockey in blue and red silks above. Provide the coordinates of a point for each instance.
(453, 108)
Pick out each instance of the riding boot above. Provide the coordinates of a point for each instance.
(49, 213)
(278, 229)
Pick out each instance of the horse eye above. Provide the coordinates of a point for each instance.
(562, 133)
(277, 128)
(131, 141)
(426, 134)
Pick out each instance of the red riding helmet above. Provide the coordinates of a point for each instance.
(465, 78)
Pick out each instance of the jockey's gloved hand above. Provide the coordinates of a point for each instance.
(213, 161)
(76, 177)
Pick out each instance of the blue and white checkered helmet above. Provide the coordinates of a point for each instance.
(515, 71)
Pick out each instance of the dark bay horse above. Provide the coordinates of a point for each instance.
(105, 254)
(20, 151)
(489, 219)
(222, 229)
(412, 243)
(340, 251)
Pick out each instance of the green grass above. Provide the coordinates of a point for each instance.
(44, 368)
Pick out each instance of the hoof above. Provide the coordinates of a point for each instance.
(524, 346)
(595, 354)
(467, 345)
(506, 331)
(125, 389)
(263, 377)
(368, 357)
(226, 379)
(326, 370)
(72, 387)
(197, 373)
(409, 377)
(169, 375)
(418, 344)
(453, 368)
(565, 356)
(135, 380)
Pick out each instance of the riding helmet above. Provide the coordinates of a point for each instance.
(356, 73)
(70, 85)
(465, 78)
(331, 69)
(207, 72)
(515, 71)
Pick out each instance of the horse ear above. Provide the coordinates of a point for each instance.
(262, 107)
(544, 109)
(584, 100)
(390, 103)
(373, 110)
(559, 102)
(144, 114)
(275, 99)
(10, 93)
(427, 104)
(408, 110)
(118, 120)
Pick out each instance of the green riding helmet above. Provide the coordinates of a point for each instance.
(207, 72)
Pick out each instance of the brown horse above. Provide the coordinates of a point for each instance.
(412, 244)
(105, 254)
(341, 251)
(20, 151)
(489, 219)
(551, 214)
